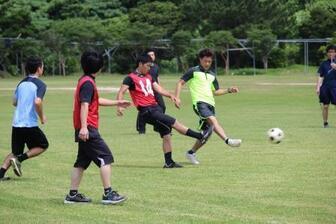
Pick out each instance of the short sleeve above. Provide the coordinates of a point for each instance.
(215, 84)
(41, 89)
(86, 92)
(188, 75)
(129, 82)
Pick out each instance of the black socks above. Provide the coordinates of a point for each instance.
(107, 190)
(73, 192)
(22, 157)
(193, 134)
(2, 172)
(168, 158)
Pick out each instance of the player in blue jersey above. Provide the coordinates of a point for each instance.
(28, 98)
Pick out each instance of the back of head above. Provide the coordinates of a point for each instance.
(206, 52)
(143, 59)
(32, 64)
(91, 62)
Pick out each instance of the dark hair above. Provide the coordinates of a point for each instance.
(150, 50)
(32, 64)
(205, 53)
(331, 47)
(144, 58)
(91, 62)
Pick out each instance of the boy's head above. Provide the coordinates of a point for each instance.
(205, 58)
(144, 62)
(34, 65)
(151, 53)
(331, 51)
(91, 62)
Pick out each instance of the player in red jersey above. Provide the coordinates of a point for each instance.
(141, 85)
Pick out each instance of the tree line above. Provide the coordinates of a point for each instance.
(59, 30)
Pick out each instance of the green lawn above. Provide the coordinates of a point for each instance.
(292, 182)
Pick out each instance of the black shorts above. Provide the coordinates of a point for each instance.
(203, 111)
(33, 137)
(154, 115)
(94, 149)
(327, 95)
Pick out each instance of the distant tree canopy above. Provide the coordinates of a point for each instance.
(59, 30)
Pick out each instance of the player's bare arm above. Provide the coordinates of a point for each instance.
(39, 110)
(318, 84)
(178, 89)
(84, 111)
(220, 92)
(163, 91)
(120, 97)
(119, 103)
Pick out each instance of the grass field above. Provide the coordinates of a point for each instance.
(292, 182)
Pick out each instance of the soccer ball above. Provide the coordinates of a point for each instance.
(275, 135)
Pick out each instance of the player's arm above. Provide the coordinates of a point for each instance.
(120, 98)
(184, 79)
(220, 91)
(119, 103)
(84, 111)
(39, 109)
(178, 89)
(318, 84)
(159, 89)
(41, 89)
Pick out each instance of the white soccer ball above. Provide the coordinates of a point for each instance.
(275, 135)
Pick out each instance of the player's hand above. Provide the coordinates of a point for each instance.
(233, 89)
(124, 103)
(177, 103)
(44, 119)
(333, 65)
(120, 111)
(318, 91)
(83, 134)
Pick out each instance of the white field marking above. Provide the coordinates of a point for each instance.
(104, 89)
(286, 84)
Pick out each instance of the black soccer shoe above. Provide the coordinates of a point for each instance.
(77, 198)
(113, 198)
(172, 165)
(206, 134)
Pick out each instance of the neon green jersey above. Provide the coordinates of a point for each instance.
(201, 84)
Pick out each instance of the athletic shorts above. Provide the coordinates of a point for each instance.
(327, 95)
(203, 111)
(94, 149)
(154, 115)
(32, 137)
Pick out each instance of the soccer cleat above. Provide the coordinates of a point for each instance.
(172, 165)
(206, 135)
(192, 158)
(16, 166)
(77, 198)
(4, 178)
(113, 198)
(233, 142)
(325, 125)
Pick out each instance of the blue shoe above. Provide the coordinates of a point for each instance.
(77, 198)
(113, 198)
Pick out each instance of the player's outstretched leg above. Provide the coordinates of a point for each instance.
(201, 136)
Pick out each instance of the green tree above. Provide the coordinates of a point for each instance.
(163, 15)
(180, 42)
(221, 42)
(262, 42)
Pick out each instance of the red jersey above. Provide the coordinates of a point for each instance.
(93, 115)
(142, 94)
